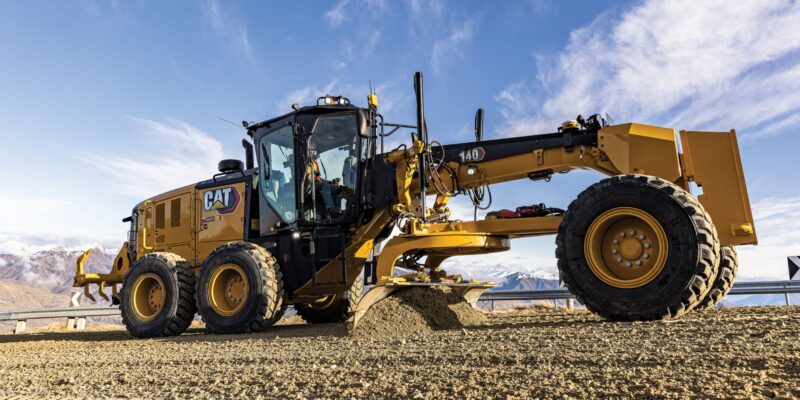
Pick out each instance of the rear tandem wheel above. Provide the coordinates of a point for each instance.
(240, 289)
(728, 267)
(157, 296)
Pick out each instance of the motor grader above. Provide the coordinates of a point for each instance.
(313, 221)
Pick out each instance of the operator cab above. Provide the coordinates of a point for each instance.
(308, 185)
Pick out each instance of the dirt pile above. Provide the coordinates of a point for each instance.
(417, 310)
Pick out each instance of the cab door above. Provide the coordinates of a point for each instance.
(329, 192)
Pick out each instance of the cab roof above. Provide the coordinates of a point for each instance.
(316, 109)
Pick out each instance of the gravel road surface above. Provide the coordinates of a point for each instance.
(724, 353)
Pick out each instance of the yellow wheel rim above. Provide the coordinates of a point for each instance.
(148, 296)
(228, 289)
(626, 247)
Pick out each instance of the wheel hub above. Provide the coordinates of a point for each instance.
(148, 295)
(228, 289)
(626, 247)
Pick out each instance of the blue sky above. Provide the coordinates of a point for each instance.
(103, 104)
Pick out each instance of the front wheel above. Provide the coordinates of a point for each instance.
(636, 247)
(333, 308)
(728, 267)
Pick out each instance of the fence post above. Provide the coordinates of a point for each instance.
(21, 324)
(569, 303)
(75, 301)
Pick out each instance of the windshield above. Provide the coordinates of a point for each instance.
(331, 172)
(276, 159)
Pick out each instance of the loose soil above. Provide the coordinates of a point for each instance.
(415, 311)
(722, 353)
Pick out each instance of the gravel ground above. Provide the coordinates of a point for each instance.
(724, 353)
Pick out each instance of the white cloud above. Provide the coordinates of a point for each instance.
(778, 238)
(387, 91)
(231, 31)
(18, 212)
(176, 154)
(692, 64)
(305, 96)
(337, 15)
(451, 48)
(431, 8)
(25, 244)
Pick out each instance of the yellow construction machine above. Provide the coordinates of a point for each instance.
(313, 222)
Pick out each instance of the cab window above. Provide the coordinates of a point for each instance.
(331, 172)
(277, 177)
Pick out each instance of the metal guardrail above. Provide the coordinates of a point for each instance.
(73, 312)
(76, 316)
(739, 288)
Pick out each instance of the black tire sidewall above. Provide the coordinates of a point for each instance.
(680, 266)
(340, 311)
(256, 299)
(157, 326)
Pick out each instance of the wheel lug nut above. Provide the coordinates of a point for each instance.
(622, 234)
(619, 259)
(646, 255)
(615, 241)
(647, 245)
(628, 264)
(632, 232)
(639, 262)
(641, 237)
(614, 251)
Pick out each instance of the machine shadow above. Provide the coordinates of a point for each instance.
(191, 335)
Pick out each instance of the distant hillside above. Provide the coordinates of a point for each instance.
(51, 268)
(22, 296)
(522, 281)
(19, 295)
(526, 281)
(41, 277)
(763, 300)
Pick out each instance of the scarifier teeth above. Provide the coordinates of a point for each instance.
(100, 290)
(87, 293)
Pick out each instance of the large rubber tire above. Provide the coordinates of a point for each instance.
(337, 309)
(262, 306)
(178, 308)
(691, 260)
(728, 267)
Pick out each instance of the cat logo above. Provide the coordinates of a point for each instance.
(472, 155)
(223, 200)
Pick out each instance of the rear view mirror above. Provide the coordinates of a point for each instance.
(363, 125)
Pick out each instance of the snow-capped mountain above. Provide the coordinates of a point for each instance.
(527, 281)
(49, 267)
